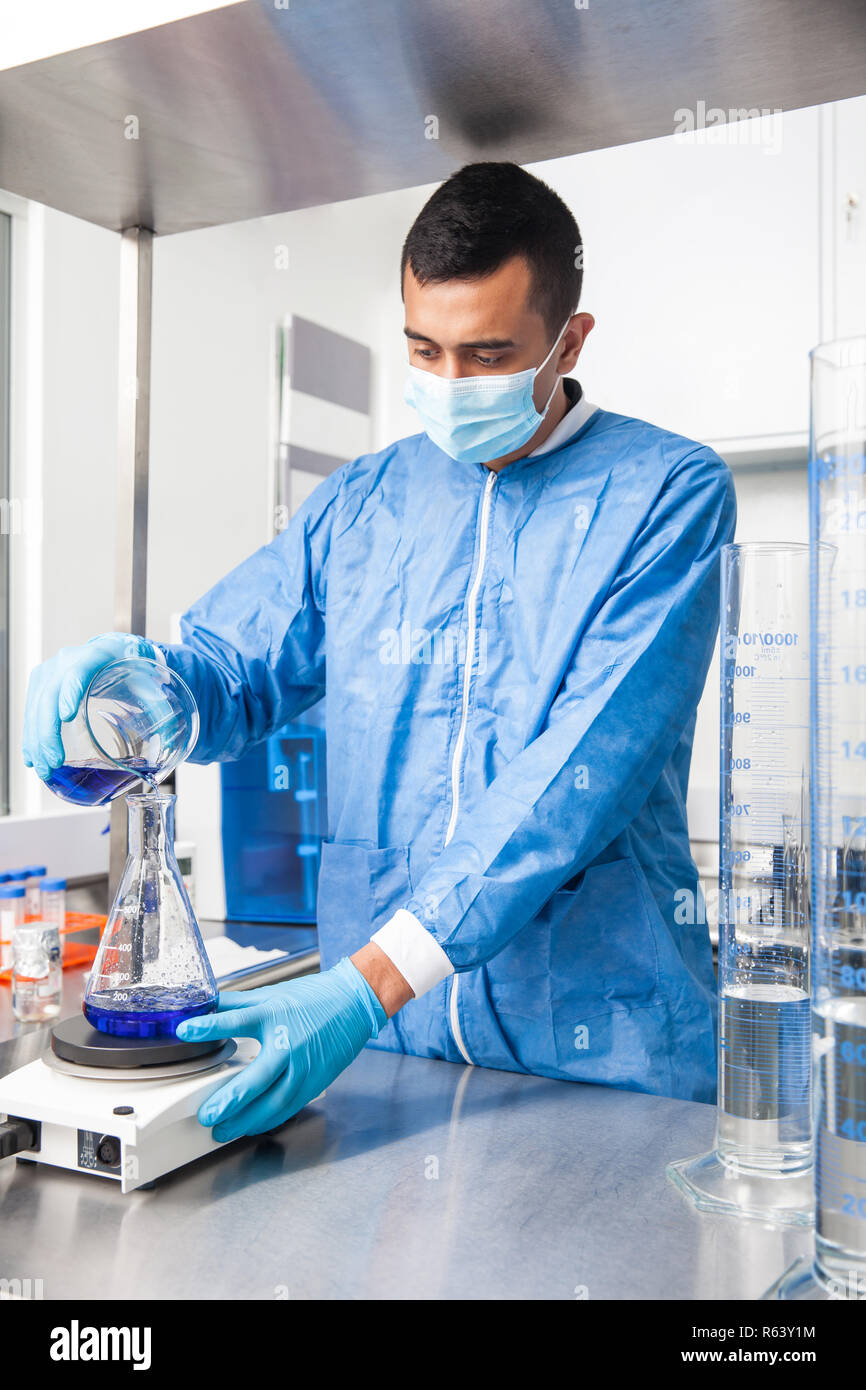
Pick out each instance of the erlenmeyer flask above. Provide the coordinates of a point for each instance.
(151, 971)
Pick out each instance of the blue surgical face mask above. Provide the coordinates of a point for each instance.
(476, 419)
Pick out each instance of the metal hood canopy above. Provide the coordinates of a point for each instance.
(251, 109)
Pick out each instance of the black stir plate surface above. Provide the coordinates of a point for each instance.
(76, 1041)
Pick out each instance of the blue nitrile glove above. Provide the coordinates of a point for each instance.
(310, 1030)
(56, 689)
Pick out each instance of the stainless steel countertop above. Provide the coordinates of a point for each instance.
(545, 1189)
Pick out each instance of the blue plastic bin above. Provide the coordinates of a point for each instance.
(274, 817)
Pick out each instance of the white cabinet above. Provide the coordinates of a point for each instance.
(702, 268)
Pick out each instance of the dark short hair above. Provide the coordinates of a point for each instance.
(483, 216)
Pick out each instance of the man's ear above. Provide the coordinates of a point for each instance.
(574, 338)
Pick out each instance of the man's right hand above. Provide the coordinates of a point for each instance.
(56, 690)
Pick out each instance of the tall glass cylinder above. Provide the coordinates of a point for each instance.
(764, 1121)
(761, 1164)
(838, 513)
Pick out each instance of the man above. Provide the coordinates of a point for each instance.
(511, 615)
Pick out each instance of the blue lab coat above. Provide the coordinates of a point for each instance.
(584, 582)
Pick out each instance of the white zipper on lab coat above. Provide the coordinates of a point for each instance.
(460, 743)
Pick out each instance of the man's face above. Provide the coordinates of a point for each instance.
(485, 327)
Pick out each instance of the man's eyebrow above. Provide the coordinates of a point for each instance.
(488, 344)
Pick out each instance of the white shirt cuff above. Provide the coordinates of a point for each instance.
(416, 954)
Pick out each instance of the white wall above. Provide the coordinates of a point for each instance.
(63, 447)
(80, 430)
(701, 266)
(218, 295)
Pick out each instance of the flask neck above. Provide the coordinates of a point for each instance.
(151, 823)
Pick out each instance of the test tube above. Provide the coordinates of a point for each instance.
(22, 880)
(11, 918)
(52, 909)
(37, 980)
(32, 900)
(761, 1165)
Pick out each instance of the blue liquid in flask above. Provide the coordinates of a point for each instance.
(86, 784)
(148, 1011)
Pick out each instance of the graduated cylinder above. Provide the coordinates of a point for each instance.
(838, 511)
(764, 1122)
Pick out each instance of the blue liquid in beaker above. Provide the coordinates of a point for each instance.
(152, 1011)
(86, 784)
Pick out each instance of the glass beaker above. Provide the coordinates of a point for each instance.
(151, 970)
(138, 719)
(761, 1163)
(37, 973)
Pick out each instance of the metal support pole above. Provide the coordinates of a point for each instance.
(133, 461)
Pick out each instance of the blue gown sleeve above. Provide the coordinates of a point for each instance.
(253, 648)
(634, 681)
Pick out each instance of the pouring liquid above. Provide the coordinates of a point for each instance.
(85, 784)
